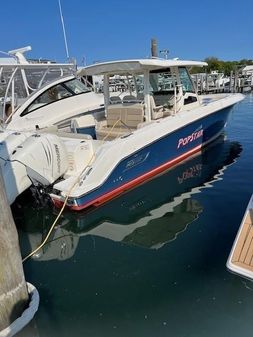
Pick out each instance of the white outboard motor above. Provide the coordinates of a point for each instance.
(8, 143)
(41, 159)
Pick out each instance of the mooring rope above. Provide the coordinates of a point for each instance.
(65, 201)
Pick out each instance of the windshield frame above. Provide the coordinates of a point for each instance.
(59, 87)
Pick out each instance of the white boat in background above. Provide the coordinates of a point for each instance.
(19, 77)
(160, 122)
(39, 95)
(240, 260)
(219, 79)
(55, 104)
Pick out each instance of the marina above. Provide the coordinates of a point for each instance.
(148, 279)
(216, 82)
(126, 205)
(170, 147)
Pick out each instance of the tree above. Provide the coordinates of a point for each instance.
(221, 66)
(214, 64)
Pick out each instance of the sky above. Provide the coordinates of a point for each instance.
(118, 29)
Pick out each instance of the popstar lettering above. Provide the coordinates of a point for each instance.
(190, 138)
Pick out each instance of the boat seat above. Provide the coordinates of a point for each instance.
(156, 111)
(130, 114)
(115, 100)
(121, 119)
(162, 96)
(129, 99)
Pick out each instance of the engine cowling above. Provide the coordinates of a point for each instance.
(41, 158)
(44, 156)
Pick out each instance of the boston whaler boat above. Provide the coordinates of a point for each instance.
(159, 122)
(147, 216)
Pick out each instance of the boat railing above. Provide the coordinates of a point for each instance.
(21, 80)
(178, 98)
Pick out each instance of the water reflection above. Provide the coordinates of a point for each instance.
(149, 216)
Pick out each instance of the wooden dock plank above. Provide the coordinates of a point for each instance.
(246, 243)
(241, 241)
(249, 254)
(243, 252)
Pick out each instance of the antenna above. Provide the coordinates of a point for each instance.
(18, 54)
(64, 32)
(165, 52)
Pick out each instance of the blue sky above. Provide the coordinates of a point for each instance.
(116, 29)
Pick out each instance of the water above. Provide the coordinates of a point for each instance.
(152, 262)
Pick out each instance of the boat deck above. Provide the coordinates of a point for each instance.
(241, 259)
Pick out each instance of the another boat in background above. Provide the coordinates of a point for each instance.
(55, 104)
(19, 77)
(38, 95)
(240, 260)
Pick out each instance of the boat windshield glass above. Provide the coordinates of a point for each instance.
(162, 80)
(58, 92)
(76, 86)
(185, 79)
(126, 88)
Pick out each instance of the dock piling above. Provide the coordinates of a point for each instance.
(154, 52)
(13, 289)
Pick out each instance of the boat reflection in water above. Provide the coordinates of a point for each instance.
(150, 215)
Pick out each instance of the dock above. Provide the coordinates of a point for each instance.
(215, 82)
(241, 257)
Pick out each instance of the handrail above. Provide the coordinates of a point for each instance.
(6, 92)
(177, 96)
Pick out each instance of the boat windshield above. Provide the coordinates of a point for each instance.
(76, 86)
(185, 79)
(162, 80)
(58, 92)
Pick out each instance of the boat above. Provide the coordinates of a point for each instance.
(147, 216)
(55, 104)
(38, 95)
(19, 77)
(159, 122)
(240, 260)
(219, 80)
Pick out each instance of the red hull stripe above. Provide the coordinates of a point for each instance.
(112, 194)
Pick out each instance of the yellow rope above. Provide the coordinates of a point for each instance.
(110, 131)
(65, 201)
(59, 214)
(51, 228)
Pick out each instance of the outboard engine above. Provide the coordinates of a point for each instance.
(40, 159)
(9, 141)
